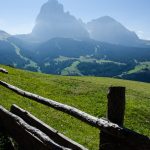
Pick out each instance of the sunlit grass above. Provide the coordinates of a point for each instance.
(140, 67)
(86, 93)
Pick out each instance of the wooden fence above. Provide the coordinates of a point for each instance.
(3, 70)
(113, 135)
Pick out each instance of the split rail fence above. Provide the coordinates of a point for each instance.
(32, 134)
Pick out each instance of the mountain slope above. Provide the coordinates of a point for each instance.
(91, 58)
(4, 35)
(67, 56)
(53, 22)
(107, 29)
(85, 93)
(9, 54)
(61, 44)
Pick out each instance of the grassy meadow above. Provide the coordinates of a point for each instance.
(88, 94)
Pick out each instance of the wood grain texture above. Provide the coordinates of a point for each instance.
(3, 70)
(52, 133)
(27, 136)
(128, 136)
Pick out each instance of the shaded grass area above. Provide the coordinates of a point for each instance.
(88, 94)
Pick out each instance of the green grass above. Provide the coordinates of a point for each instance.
(72, 70)
(87, 59)
(140, 67)
(30, 62)
(86, 93)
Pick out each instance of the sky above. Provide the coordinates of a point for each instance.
(18, 16)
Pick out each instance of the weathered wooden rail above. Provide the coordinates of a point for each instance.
(113, 136)
(3, 70)
(50, 132)
(27, 136)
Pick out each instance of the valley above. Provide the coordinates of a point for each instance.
(61, 44)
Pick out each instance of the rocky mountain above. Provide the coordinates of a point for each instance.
(109, 30)
(61, 44)
(53, 21)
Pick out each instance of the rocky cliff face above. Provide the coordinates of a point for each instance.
(53, 21)
(107, 29)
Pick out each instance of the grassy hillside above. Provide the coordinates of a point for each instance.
(66, 56)
(86, 93)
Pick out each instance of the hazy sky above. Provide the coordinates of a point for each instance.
(18, 16)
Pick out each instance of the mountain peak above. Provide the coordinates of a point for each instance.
(53, 1)
(49, 8)
(106, 18)
(53, 21)
(107, 29)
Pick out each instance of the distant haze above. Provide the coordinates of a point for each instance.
(53, 22)
(107, 29)
(61, 43)
(18, 17)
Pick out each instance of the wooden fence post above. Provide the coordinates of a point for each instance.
(115, 114)
(116, 105)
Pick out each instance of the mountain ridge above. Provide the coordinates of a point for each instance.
(72, 55)
(107, 29)
(67, 56)
(4, 35)
(53, 22)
